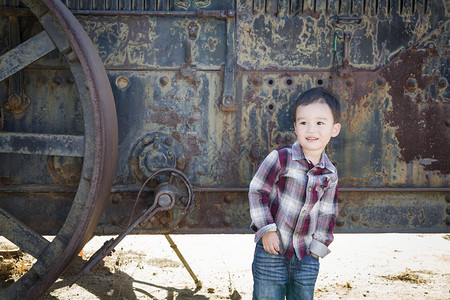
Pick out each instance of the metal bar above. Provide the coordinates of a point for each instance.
(216, 14)
(198, 283)
(43, 144)
(21, 235)
(229, 102)
(25, 54)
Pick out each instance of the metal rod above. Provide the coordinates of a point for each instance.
(198, 283)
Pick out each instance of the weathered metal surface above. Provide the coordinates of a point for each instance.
(172, 68)
(25, 54)
(169, 68)
(26, 238)
(42, 144)
(215, 81)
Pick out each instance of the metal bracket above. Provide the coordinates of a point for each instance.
(228, 101)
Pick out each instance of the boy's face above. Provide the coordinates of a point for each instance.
(314, 127)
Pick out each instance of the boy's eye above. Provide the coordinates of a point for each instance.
(302, 123)
(320, 123)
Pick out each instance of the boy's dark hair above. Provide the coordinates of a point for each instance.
(314, 94)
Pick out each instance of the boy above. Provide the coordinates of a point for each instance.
(293, 203)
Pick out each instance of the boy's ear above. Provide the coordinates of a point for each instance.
(336, 129)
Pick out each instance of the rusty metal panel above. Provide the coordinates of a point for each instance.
(171, 64)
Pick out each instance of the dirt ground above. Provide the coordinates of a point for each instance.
(370, 266)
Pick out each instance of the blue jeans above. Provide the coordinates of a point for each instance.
(276, 277)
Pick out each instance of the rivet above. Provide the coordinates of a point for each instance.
(355, 217)
(164, 80)
(411, 82)
(116, 200)
(339, 221)
(257, 81)
(227, 199)
(381, 81)
(447, 221)
(57, 80)
(350, 82)
(122, 82)
(227, 221)
(70, 79)
(442, 83)
(255, 153)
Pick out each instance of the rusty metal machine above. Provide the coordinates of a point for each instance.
(179, 100)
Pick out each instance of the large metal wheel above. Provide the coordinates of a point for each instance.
(98, 147)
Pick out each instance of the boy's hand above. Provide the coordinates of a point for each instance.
(271, 242)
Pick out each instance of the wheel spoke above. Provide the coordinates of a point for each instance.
(46, 144)
(24, 237)
(25, 54)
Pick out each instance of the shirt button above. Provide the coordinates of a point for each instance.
(297, 234)
(303, 212)
(309, 189)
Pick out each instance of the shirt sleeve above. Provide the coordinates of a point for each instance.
(328, 209)
(260, 189)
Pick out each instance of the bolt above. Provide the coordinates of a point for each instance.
(447, 198)
(230, 13)
(447, 210)
(170, 153)
(228, 101)
(168, 141)
(57, 80)
(145, 141)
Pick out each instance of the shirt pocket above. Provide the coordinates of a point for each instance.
(324, 183)
(292, 183)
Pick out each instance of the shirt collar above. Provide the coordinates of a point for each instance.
(324, 163)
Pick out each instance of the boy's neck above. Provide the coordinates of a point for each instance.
(314, 159)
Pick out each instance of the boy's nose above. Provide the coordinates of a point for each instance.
(311, 128)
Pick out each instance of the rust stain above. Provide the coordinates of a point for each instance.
(192, 144)
(419, 118)
(6, 180)
(165, 116)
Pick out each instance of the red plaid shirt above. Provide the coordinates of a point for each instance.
(298, 200)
